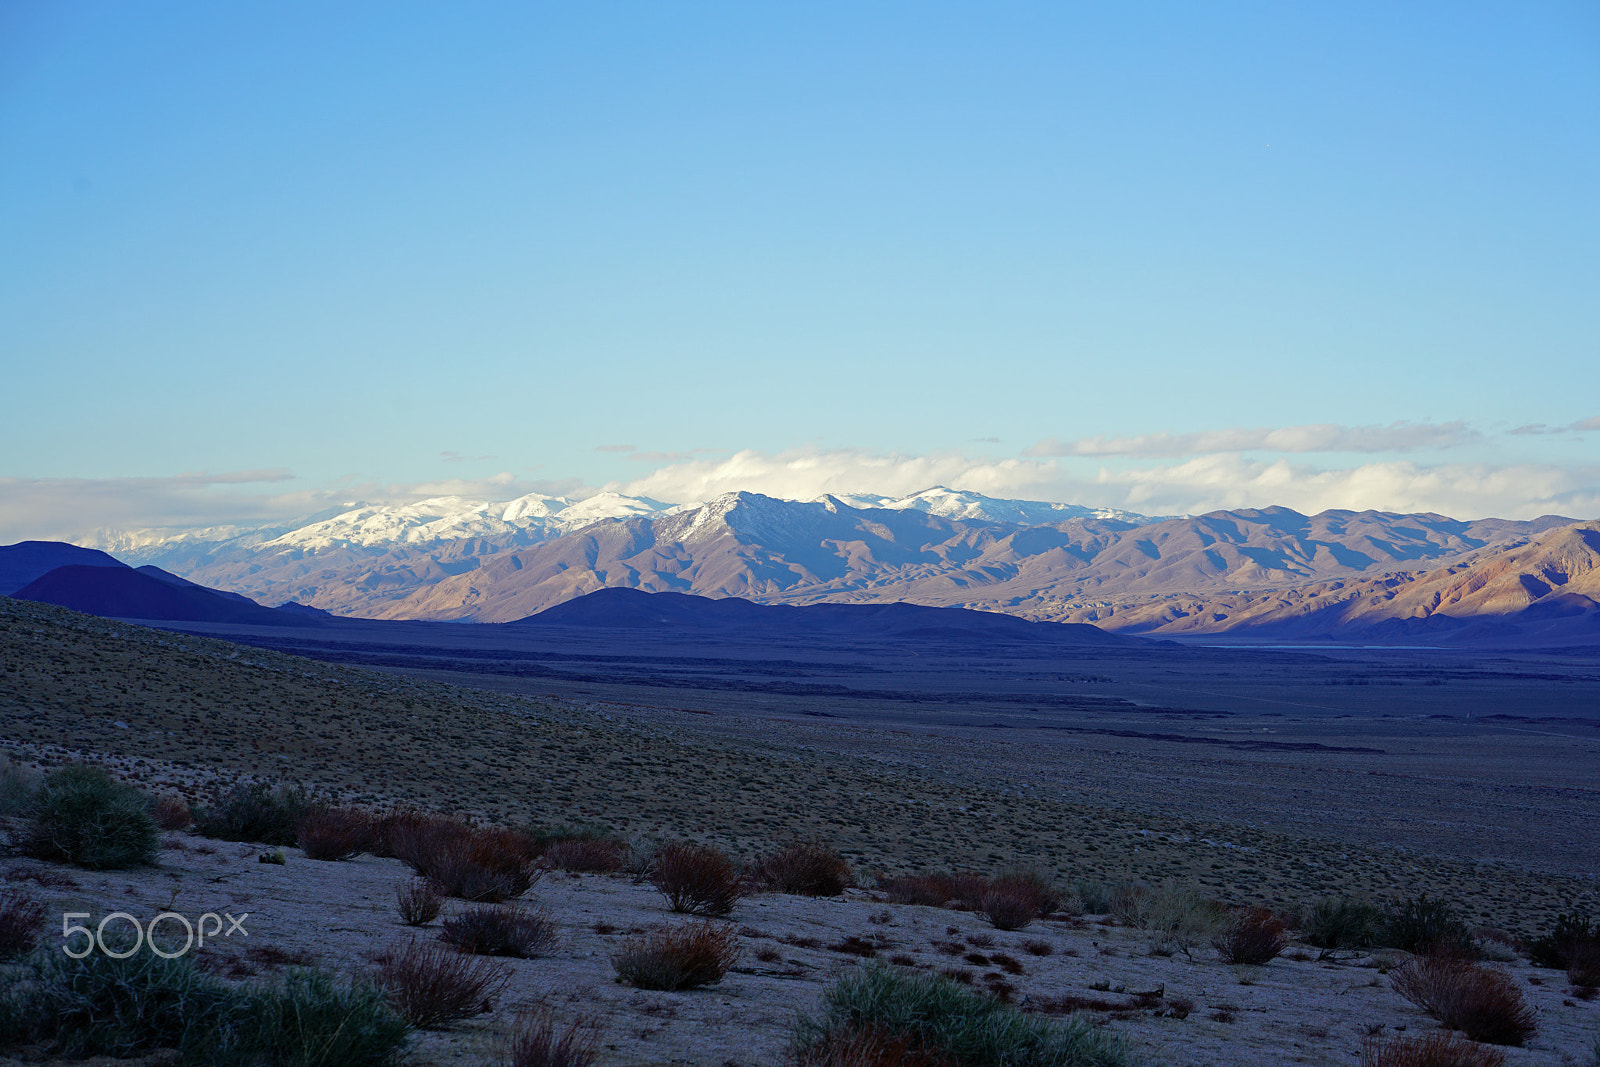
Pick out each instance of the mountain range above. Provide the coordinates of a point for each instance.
(1270, 571)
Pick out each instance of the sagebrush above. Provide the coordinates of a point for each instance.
(83, 817)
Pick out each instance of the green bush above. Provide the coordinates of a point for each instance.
(1341, 923)
(258, 812)
(939, 1017)
(311, 1020)
(1094, 896)
(81, 816)
(1421, 925)
(1571, 930)
(104, 1006)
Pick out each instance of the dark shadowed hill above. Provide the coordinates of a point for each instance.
(24, 561)
(123, 593)
(635, 609)
(183, 583)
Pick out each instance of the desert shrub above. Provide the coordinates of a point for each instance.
(1014, 899)
(81, 816)
(482, 865)
(542, 837)
(21, 921)
(805, 868)
(1176, 916)
(1442, 1049)
(1341, 923)
(395, 832)
(171, 812)
(500, 931)
(258, 812)
(1422, 925)
(936, 1017)
(931, 890)
(313, 1020)
(587, 857)
(1094, 896)
(867, 1046)
(1253, 935)
(18, 785)
(697, 879)
(333, 833)
(1481, 1002)
(536, 1041)
(419, 902)
(1583, 964)
(678, 957)
(1571, 930)
(104, 1006)
(433, 986)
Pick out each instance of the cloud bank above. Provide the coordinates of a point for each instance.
(1201, 484)
(1322, 437)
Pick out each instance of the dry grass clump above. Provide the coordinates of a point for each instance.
(806, 868)
(1442, 1049)
(1014, 899)
(1009, 900)
(866, 1046)
(500, 931)
(1177, 917)
(484, 865)
(21, 920)
(585, 856)
(433, 986)
(1481, 1002)
(171, 812)
(333, 833)
(696, 879)
(536, 1041)
(680, 957)
(929, 890)
(419, 902)
(1253, 936)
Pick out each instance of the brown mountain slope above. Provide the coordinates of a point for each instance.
(1550, 584)
(774, 551)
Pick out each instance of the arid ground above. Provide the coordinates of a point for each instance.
(1393, 777)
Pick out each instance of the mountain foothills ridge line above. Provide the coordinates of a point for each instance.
(1268, 570)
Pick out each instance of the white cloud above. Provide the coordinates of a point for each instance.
(78, 509)
(1204, 483)
(1209, 483)
(802, 474)
(1322, 437)
(73, 509)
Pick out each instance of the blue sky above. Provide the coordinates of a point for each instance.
(257, 258)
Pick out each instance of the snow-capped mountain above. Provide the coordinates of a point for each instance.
(956, 504)
(363, 559)
(494, 561)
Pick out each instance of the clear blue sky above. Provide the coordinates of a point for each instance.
(1058, 250)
